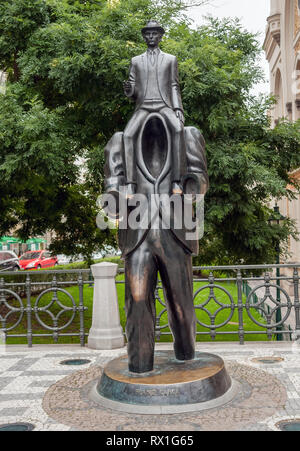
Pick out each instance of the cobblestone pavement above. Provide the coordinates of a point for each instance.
(29, 377)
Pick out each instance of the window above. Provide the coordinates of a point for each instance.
(30, 255)
(5, 256)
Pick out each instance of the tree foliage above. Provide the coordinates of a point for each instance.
(66, 61)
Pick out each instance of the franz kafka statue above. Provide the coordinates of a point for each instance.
(157, 155)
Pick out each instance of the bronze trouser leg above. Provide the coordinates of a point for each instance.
(159, 251)
(177, 143)
(140, 277)
(130, 133)
(175, 267)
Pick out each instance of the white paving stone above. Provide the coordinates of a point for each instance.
(5, 364)
(48, 360)
(12, 374)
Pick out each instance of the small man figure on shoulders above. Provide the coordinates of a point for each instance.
(153, 84)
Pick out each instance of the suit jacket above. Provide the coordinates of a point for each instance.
(130, 239)
(167, 78)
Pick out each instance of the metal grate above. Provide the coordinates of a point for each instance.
(75, 362)
(289, 425)
(17, 427)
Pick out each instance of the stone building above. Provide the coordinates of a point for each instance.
(282, 48)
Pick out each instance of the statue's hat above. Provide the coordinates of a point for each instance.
(153, 25)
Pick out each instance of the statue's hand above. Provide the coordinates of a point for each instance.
(180, 115)
(127, 88)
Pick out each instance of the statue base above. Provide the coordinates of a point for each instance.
(172, 387)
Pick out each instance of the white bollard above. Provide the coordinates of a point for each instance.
(106, 331)
(2, 342)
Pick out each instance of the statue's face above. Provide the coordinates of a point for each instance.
(152, 38)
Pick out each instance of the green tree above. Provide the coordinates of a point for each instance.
(249, 163)
(66, 60)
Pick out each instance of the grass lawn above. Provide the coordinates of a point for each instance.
(212, 307)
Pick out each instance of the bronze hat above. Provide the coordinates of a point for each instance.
(153, 25)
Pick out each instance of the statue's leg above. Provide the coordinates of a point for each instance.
(130, 135)
(141, 278)
(178, 143)
(175, 267)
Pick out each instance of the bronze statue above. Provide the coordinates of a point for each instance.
(153, 84)
(156, 155)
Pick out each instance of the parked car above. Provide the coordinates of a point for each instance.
(64, 259)
(9, 261)
(97, 255)
(110, 251)
(78, 258)
(37, 260)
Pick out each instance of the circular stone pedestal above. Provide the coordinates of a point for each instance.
(172, 387)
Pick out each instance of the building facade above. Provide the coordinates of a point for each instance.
(282, 48)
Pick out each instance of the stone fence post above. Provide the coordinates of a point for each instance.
(106, 331)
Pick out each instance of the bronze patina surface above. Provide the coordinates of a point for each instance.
(171, 382)
(167, 370)
(158, 156)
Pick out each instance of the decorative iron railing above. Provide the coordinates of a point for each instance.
(45, 302)
(272, 308)
(235, 301)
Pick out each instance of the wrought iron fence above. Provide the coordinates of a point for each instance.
(229, 300)
(37, 296)
(268, 305)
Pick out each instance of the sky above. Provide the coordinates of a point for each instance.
(253, 15)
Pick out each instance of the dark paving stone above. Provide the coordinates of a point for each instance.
(43, 383)
(4, 381)
(20, 396)
(47, 373)
(13, 411)
(10, 356)
(23, 364)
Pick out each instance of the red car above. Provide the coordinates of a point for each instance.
(37, 260)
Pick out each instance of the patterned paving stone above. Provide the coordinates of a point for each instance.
(19, 396)
(68, 402)
(23, 364)
(6, 356)
(12, 411)
(4, 381)
(58, 373)
(27, 376)
(44, 383)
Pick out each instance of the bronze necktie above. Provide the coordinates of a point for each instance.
(152, 58)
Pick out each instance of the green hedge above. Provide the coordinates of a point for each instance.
(41, 275)
(84, 265)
